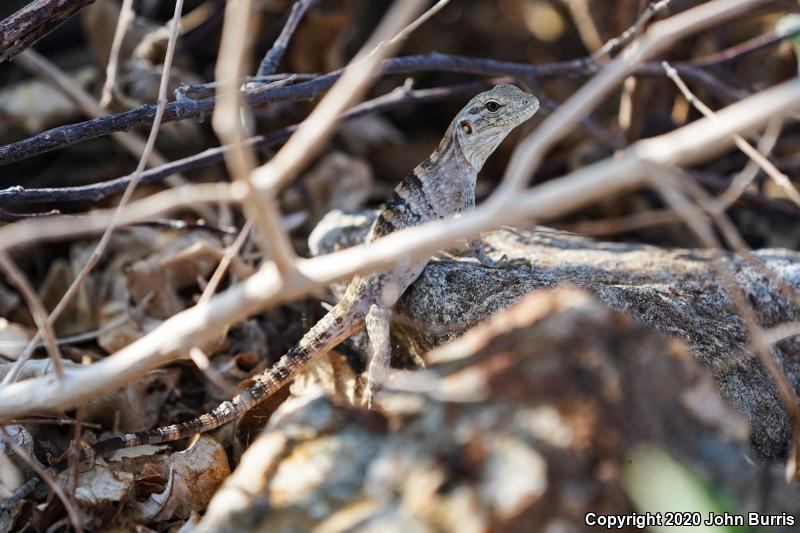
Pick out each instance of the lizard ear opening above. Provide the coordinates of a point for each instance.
(466, 126)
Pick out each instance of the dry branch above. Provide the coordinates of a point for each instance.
(23, 28)
(688, 145)
(124, 20)
(270, 62)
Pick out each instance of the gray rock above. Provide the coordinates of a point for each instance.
(676, 291)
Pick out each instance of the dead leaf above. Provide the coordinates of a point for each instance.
(189, 477)
(165, 273)
(100, 485)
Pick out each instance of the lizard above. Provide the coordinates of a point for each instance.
(443, 185)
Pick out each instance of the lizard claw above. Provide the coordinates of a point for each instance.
(504, 262)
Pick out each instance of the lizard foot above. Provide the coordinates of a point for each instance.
(504, 262)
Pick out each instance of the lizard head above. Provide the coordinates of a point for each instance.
(486, 120)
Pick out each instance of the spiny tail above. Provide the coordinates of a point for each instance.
(338, 324)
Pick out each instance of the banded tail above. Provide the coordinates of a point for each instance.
(336, 326)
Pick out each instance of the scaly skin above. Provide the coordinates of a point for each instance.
(441, 186)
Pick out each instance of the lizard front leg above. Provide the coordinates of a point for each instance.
(380, 349)
(476, 245)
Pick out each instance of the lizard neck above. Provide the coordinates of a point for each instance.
(449, 159)
(448, 177)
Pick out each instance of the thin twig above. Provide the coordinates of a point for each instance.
(614, 45)
(230, 252)
(53, 422)
(738, 185)
(154, 206)
(124, 21)
(740, 50)
(17, 278)
(74, 452)
(45, 475)
(270, 62)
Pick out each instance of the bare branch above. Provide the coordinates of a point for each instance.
(690, 144)
(231, 121)
(397, 99)
(185, 108)
(52, 228)
(38, 18)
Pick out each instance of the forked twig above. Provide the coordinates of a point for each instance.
(231, 121)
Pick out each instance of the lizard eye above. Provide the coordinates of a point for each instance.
(492, 106)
